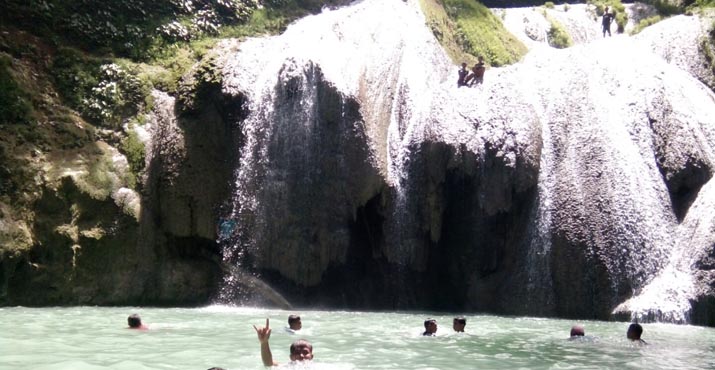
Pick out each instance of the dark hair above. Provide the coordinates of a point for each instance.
(577, 331)
(293, 318)
(636, 329)
(300, 343)
(428, 321)
(460, 320)
(134, 321)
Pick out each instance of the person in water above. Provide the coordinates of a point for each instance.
(294, 323)
(462, 75)
(634, 333)
(300, 350)
(577, 332)
(430, 328)
(458, 324)
(606, 22)
(135, 322)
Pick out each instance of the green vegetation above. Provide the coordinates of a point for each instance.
(104, 92)
(549, 5)
(14, 101)
(558, 36)
(702, 4)
(134, 150)
(707, 48)
(645, 23)
(99, 181)
(664, 9)
(467, 29)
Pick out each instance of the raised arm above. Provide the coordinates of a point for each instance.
(263, 335)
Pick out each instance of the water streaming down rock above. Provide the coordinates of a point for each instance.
(368, 179)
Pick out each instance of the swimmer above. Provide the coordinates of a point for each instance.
(294, 324)
(135, 322)
(430, 328)
(300, 350)
(577, 331)
(458, 324)
(634, 333)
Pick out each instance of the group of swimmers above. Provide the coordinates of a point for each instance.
(633, 333)
(302, 350)
(476, 77)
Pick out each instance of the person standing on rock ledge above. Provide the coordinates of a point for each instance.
(606, 22)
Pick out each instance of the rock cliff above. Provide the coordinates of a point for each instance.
(556, 187)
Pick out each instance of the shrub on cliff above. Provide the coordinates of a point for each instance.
(103, 91)
(558, 36)
(467, 29)
(14, 101)
(127, 27)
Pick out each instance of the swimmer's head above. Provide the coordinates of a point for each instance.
(459, 323)
(577, 331)
(431, 325)
(294, 322)
(301, 350)
(134, 321)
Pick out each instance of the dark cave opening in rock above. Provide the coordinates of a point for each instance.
(471, 247)
(684, 186)
(362, 280)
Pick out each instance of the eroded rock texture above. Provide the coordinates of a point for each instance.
(556, 187)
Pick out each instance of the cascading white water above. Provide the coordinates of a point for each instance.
(364, 52)
(577, 125)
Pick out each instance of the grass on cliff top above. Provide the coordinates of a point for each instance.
(467, 29)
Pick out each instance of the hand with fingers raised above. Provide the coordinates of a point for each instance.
(264, 334)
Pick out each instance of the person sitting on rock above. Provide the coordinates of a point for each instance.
(462, 75)
(135, 322)
(477, 75)
(301, 350)
(634, 333)
(430, 328)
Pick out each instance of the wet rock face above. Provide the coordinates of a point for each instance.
(314, 173)
(556, 187)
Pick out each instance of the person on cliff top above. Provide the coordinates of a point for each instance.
(294, 324)
(606, 22)
(462, 75)
(458, 324)
(430, 328)
(634, 333)
(477, 75)
(301, 350)
(135, 322)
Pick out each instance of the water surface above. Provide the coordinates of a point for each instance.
(94, 338)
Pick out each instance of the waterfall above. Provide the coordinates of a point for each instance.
(571, 166)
